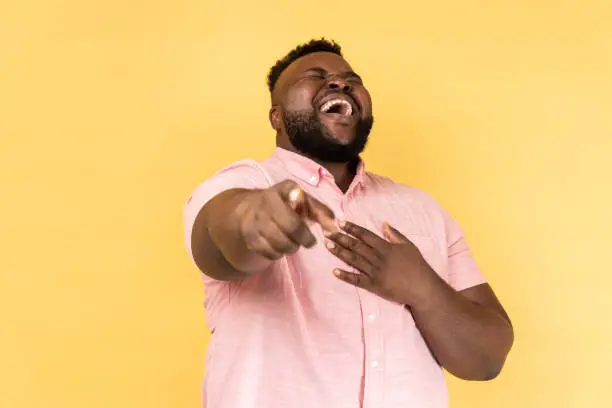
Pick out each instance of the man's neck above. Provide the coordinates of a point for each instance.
(343, 173)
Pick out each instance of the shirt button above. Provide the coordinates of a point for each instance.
(371, 316)
(374, 364)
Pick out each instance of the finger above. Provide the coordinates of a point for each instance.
(355, 279)
(258, 243)
(277, 239)
(291, 192)
(351, 258)
(393, 235)
(296, 198)
(365, 236)
(354, 245)
(307, 206)
(289, 222)
(320, 213)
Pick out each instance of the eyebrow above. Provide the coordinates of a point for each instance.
(322, 71)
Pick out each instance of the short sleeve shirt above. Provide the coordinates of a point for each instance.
(295, 336)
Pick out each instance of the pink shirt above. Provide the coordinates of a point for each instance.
(295, 336)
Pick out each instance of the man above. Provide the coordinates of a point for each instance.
(326, 285)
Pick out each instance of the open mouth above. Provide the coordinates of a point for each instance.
(339, 106)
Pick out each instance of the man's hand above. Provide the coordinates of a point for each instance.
(393, 268)
(273, 222)
(468, 332)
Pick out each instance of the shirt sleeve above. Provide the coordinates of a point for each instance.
(243, 174)
(463, 272)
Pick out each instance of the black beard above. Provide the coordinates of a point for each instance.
(312, 138)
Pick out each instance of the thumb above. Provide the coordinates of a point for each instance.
(308, 207)
(292, 194)
(392, 235)
(296, 198)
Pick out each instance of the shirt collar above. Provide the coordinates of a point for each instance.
(310, 171)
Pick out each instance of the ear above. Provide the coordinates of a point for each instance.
(275, 118)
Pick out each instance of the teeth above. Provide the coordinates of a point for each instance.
(334, 102)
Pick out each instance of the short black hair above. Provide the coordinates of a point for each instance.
(310, 47)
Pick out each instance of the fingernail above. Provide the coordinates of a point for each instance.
(341, 223)
(295, 194)
(330, 245)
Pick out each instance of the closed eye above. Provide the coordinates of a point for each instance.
(316, 73)
(353, 77)
(321, 73)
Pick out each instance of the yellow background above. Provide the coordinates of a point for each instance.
(113, 111)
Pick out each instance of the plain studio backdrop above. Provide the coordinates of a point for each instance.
(113, 111)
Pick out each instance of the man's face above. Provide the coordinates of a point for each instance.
(326, 111)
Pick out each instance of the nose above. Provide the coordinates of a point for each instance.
(339, 84)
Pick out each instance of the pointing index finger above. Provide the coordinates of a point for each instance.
(311, 209)
(322, 214)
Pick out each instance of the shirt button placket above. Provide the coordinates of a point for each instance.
(374, 351)
(373, 338)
